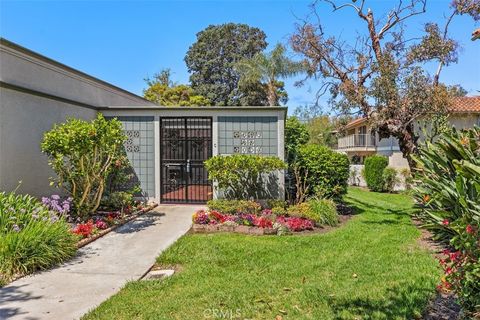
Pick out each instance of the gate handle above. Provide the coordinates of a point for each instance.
(188, 165)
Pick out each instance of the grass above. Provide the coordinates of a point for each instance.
(371, 268)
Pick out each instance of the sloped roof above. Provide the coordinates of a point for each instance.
(459, 105)
(355, 123)
(465, 104)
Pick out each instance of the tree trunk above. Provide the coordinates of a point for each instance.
(407, 140)
(272, 94)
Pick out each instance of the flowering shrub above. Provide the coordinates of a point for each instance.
(112, 217)
(296, 224)
(266, 220)
(462, 268)
(448, 180)
(100, 224)
(263, 222)
(31, 236)
(55, 204)
(200, 217)
(84, 229)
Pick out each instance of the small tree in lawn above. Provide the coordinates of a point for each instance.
(81, 153)
(380, 74)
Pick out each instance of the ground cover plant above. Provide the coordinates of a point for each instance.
(370, 268)
(32, 236)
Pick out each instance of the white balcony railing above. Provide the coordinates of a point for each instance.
(357, 141)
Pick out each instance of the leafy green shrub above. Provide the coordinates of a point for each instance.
(245, 176)
(296, 135)
(324, 171)
(390, 179)
(374, 167)
(279, 211)
(234, 206)
(448, 190)
(321, 211)
(273, 203)
(118, 200)
(31, 237)
(81, 153)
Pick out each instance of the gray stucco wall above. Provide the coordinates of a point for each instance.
(35, 93)
(23, 120)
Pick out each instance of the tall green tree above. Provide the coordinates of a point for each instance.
(211, 60)
(380, 73)
(268, 69)
(296, 135)
(164, 92)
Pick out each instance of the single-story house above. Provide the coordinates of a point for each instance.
(166, 146)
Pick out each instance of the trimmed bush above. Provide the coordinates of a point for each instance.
(374, 166)
(390, 179)
(325, 171)
(234, 206)
(245, 177)
(321, 211)
(31, 236)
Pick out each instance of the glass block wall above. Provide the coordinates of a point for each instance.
(248, 135)
(140, 149)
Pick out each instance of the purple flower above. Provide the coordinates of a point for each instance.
(55, 197)
(16, 228)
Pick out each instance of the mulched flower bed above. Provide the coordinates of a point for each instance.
(265, 223)
(106, 222)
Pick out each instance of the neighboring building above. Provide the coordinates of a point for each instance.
(166, 145)
(360, 142)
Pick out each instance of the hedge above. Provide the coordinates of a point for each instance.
(326, 171)
(374, 167)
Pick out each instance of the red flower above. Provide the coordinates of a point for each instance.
(84, 229)
(470, 229)
(445, 222)
(263, 222)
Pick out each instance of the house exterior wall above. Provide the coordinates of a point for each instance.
(260, 130)
(24, 118)
(36, 93)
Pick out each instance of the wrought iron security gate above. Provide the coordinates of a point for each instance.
(185, 143)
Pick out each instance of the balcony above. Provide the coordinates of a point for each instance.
(358, 142)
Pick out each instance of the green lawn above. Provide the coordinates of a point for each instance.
(226, 276)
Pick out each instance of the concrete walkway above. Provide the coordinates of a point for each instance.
(99, 270)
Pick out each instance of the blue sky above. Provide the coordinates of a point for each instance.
(122, 42)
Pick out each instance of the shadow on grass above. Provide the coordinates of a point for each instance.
(399, 302)
(362, 206)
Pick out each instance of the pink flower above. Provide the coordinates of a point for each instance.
(445, 222)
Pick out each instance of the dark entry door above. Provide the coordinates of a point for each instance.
(185, 144)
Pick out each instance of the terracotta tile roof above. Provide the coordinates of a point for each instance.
(459, 105)
(466, 104)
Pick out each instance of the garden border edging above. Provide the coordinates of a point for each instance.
(135, 215)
